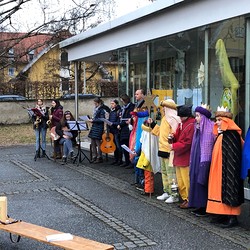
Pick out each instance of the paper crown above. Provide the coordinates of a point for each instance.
(223, 109)
(205, 106)
(204, 109)
(223, 112)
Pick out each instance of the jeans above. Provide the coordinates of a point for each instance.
(42, 139)
(95, 148)
(67, 146)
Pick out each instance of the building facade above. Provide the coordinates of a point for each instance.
(192, 51)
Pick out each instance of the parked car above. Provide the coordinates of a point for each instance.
(80, 96)
(4, 98)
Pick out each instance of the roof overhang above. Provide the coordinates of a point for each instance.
(159, 19)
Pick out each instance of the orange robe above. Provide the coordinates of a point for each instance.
(214, 204)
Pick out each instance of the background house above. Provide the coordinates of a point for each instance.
(35, 67)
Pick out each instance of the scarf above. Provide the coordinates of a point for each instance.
(206, 138)
(172, 118)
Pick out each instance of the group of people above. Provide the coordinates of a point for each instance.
(200, 156)
(199, 159)
(56, 120)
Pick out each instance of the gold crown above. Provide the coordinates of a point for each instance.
(205, 106)
(223, 109)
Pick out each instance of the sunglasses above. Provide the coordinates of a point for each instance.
(67, 113)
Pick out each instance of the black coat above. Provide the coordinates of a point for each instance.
(114, 117)
(232, 184)
(125, 115)
(97, 128)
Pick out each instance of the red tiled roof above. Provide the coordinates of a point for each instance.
(21, 44)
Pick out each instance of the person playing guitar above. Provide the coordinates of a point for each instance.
(111, 140)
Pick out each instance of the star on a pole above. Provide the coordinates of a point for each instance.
(149, 101)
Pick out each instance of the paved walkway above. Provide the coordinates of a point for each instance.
(96, 201)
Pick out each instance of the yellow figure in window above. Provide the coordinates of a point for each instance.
(230, 82)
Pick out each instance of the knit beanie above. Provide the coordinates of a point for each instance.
(184, 110)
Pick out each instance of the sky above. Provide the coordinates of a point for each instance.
(31, 13)
(126, 6)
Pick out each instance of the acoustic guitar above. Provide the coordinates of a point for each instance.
(107, 146)
(53, 135)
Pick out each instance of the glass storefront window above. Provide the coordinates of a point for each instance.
(227, 67)
(138, 68)
(175, 61)
(203, 65)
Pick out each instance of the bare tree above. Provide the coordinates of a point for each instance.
(58, 26)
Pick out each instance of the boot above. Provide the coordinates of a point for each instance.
(98, 160)
(219, 219)
(231, 222)
(43, 154)
(53, 155)
(119, 162)
(58, 155)
(93, 160)
(37, 154)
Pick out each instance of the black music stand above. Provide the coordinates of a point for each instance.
(37, 112)
(79, 126)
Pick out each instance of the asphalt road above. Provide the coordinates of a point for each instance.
(97, 201)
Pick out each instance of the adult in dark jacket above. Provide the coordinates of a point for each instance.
(40, 119)
(125, 117)
(114, 118)
(96, 130)
(66, 135)
(55, 117)
(56, 112)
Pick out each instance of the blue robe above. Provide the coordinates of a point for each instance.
(246, 156)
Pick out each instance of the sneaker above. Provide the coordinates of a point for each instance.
(72, 155)
(172, 199)
(162, 197)
(139, 187)
(64, 160)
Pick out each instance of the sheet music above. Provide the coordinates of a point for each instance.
(84, 117)
(30, 112)
(37, 112)
(128, 149)
(106, 121)
(78, 125)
